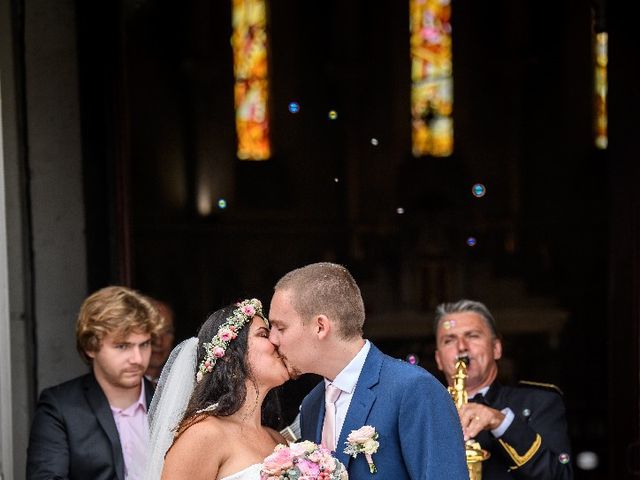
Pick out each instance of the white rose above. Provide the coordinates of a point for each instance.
(371, 446)
(361, 435)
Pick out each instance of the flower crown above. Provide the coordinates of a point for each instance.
(228, 331)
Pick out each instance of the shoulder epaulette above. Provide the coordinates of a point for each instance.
(545, 386)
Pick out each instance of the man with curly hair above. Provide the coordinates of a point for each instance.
(95, 426)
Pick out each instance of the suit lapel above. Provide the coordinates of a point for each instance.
(310, 411)
(317, 415)
(100, 406)
(492, 397)
(362, 401)
(148, 391)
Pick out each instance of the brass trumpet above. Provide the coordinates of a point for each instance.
(475, 454)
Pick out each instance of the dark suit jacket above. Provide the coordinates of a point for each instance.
(419, 430)
(534, 444)
(74, 435)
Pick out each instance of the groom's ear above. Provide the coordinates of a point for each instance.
(322, 326)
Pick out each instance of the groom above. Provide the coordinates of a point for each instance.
(317, 314)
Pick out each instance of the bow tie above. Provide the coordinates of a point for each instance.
(478, 398)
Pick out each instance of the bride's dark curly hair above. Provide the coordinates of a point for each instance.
(225, 385)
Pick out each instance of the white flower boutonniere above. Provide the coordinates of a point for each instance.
(363, 440)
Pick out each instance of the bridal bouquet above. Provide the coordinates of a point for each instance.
(302, 461)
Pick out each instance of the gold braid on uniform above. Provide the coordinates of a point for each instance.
(545, 386)
(520, 460)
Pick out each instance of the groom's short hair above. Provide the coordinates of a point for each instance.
(326, 289)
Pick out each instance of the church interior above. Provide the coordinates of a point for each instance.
(439, 149)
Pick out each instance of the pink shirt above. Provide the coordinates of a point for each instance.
(133, 430)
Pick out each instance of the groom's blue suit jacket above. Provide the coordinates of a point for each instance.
(419, 431)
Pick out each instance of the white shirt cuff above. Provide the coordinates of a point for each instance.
(506, 423)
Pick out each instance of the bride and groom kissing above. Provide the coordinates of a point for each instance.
(226, 408)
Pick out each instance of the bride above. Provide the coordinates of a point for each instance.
(213, 401)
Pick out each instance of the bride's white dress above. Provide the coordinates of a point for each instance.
(252, 472)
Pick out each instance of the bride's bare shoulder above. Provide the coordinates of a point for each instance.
(201, 430)
(191, 456)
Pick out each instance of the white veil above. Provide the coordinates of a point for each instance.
(169, 403)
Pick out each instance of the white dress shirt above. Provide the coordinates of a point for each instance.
(346, 381)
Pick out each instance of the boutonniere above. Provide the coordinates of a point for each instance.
(363, 440)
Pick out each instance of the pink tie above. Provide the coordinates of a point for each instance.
(331, 394)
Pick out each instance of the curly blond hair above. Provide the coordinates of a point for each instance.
(115, 309)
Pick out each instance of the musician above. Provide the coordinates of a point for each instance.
(523, 428)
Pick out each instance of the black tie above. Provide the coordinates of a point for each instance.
(478, 398)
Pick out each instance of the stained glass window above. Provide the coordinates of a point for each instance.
(251, 91)
(601, 86)
(431, 77)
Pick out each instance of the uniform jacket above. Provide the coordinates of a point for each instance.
(74, 435)
(419, 431)
(535, 444)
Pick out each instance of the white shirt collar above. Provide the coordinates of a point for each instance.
(347, 379)
(483, 390)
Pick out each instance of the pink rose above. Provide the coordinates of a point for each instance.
(361, 435)
(283, 455)
(298, 449)
(218, 352)
(308, 468)
(328, 463)
(315, 457)
(278, 461)
(248, 310)
(226, 335)
(271, 468)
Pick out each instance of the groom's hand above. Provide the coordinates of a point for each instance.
(476, 417)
